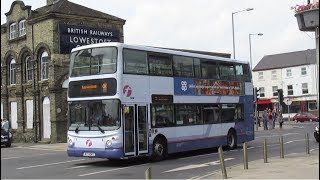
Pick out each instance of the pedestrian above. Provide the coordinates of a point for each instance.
(265, 119)
(280, 120)
(270, 119)
(274, 117)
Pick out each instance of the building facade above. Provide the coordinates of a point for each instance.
(35, 47)
(295, 74)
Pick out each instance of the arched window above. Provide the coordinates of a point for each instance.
(29, 68)
(44, 65)
(13, 71)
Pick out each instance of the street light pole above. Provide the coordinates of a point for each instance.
(259, 34)
(234, 46)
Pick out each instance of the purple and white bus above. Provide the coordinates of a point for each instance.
(128, 101)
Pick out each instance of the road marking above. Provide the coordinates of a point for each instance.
(193, 166)
(16, 157)
(45, 149)
(275, 135)
(41, 165)
(198, 156)
(116, 169)
(294, 141)
(313, 149)
(76, 167)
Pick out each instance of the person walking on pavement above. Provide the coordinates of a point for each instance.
(270, 119)
(280, 119)
(265, 119)
(274, 117)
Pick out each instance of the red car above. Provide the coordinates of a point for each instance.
(302, 117)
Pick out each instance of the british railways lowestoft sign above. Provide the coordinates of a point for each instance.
(72, 36)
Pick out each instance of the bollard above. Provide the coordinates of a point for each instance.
(147, 174)
(307, 144)
(265, 153)
(223, 167)
(281, 147)
(245, 156)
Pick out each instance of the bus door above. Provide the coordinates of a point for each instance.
(142, 126)
(135, 129)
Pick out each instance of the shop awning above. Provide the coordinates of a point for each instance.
(264, 101)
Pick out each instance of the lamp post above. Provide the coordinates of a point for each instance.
(234, 48)
(259, 34)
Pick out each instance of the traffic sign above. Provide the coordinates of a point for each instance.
(287, 101)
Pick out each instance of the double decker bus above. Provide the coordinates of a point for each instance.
(128, 101)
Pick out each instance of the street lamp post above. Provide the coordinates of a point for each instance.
(234, 48)
(259, 34)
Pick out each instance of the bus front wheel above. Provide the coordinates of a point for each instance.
(159, 149)
(232, 140)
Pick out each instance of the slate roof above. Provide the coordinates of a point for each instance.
(70, 8)
(290, 59)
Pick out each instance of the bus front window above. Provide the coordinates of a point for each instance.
(94, 115)
(94, 61)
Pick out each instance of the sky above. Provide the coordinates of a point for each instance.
(204, 25)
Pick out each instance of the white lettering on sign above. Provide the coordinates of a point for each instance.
(87, 40)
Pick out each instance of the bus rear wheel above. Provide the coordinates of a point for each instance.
(159, 150)
(231, 140)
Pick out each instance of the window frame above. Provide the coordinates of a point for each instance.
(44, 65)
(262, 92)
(13, 72)
(289, 73)
(275, 92)
(125, 71)
(290, 90)
(22, 28)
(304, 90)
(12, 31)
(303, 71)
(29, 68)
(274, 74)
(260, 75)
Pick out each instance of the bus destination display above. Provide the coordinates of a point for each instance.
(91, 88)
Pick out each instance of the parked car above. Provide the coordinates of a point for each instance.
(302, 117)
(316, 133)
(6, 136)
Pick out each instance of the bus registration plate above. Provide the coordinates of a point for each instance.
(89, 154)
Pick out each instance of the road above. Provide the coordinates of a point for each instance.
(30, 162)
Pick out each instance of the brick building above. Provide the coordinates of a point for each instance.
(35, 47)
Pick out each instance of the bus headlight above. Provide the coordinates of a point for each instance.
(108, 143)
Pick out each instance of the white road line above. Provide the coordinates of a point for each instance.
(45, 149)
(116, 169)
(16, 157)
(76, 167)
(41, 165)
(198, 156)
(193, 166)
(313, 149)
(276, 135)
(294, 141)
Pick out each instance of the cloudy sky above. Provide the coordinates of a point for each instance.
(204, 24)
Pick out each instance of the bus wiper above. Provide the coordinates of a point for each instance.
(77, 128)
(100, 129)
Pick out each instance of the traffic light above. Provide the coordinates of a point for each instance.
(280, 96)
(256, 94)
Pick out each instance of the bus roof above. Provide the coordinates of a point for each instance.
(159, 50)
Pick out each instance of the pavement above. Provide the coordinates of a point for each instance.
(292, 166)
